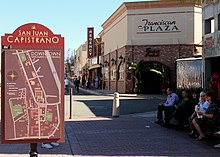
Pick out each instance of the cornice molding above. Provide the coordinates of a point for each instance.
(145, 5)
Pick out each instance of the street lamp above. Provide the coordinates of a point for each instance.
(113, 61)
(103, 74)
(118, 68)
(118, 71)
(106, 63)
(121, 58)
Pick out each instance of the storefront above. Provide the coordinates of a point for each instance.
(151, 35)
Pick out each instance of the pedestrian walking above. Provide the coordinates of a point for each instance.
(66, 82)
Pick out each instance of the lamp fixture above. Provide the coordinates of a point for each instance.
(121, 58)
(113, 61)
(100, 64)
(106, 63)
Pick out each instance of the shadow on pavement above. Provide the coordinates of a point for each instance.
(127, 106)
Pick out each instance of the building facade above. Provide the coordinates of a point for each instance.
(80, 60)
(211, 50)
(153, 35)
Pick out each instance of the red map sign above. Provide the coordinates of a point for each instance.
(32, 35)
(32, 85)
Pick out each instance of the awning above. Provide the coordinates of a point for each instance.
(94, 66)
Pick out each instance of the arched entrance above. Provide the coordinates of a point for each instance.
(154, 77)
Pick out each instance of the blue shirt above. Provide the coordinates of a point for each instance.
(203, 107)
(171, 99)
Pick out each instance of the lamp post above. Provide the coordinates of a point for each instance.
(118, 71)
(113, 61)
(103, 74)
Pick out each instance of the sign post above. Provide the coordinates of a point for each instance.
(32, 86)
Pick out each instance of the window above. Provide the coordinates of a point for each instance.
(209, 26)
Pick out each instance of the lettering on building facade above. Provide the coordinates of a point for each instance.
(152, 52)
(160, 26)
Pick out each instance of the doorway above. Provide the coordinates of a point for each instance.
(154, 77)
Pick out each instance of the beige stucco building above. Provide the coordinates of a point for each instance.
(153, 34)
(80, 60)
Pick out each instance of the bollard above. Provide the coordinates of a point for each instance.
(116, 105)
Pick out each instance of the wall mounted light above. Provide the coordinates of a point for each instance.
(121, 58)
(106, 63)
(113, 61)
(100, 64)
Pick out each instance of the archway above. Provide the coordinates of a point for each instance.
(154, 77)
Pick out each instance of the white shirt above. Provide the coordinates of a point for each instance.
(66, 81)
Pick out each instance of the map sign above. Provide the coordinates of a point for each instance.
(33, 95)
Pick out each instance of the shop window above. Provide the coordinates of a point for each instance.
(209, 26)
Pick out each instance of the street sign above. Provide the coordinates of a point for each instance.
(32, 85)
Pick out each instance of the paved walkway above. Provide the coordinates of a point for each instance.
(128, 135)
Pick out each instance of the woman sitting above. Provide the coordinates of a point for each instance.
(194, 100)
(207, 119)
(201, 106)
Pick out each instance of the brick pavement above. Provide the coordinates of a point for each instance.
(130, 135)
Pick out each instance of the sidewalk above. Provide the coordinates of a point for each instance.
(128, 135)
(111, 93)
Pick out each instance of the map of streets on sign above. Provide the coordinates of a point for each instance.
(33, 94)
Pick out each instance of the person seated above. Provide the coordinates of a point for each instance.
(193, 101)
(180, 113)
(209, 118)
(201, 106)
(167, 107)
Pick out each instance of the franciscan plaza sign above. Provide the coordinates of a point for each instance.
(156, 24)
(161, 26)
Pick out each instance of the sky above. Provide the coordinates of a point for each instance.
(70, 18)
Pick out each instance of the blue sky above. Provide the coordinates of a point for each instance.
(70, 18)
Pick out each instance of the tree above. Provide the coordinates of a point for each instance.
(136, 67)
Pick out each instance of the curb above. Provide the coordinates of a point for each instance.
(111, 93)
